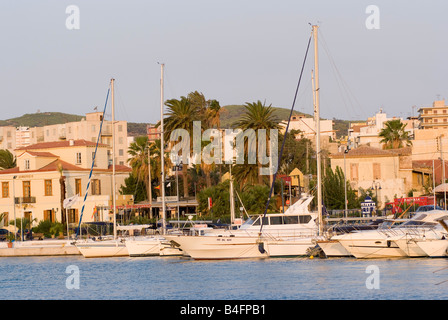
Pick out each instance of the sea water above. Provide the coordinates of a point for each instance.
(180, 278)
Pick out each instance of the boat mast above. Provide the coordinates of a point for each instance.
(232, 200)
(113, 157)
(162, 147)
(317, 119)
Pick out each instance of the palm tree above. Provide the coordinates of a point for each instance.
(138, 150)
(7, 159)
(181, 114)
(394, 136)
(259, 116)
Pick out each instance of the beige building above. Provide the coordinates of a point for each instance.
(389, 173)
(307, 126)
(87, 129)
(8, 138)
(434, 117)
(33, 189)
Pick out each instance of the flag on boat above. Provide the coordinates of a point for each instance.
(95, 211)
(70, 201)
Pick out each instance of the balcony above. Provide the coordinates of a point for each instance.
(24, 200)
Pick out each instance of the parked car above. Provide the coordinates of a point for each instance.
(3, 234)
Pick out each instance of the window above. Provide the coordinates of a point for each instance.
(27, 164)
(5, 189)
(305, 219)
(120, 128)
(72, 215)
(120, 140)
(291, 219)
(78, 187)
(26, 189)
(376, 171)
(120, 152)
(78, 157)
(96, 187)
(93, 128)
(48, 188)
(94, 159)
(49, 215)
(276, 220)
(354, 171)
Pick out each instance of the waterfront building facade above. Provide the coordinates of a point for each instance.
(48, 173)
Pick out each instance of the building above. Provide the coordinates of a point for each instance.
(388, 173)
(307, 127)
(368, 133)
(434, 117)
(47, 173)
(8, 138)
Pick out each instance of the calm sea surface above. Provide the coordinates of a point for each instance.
(176, 278)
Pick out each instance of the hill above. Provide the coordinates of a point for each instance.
(229, 117)
(40, 119)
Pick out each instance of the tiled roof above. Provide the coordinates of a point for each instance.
(365, 151)
(61, 144)
(55, 165)
(39, 154)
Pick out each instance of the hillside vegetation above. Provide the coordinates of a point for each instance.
(229, 117)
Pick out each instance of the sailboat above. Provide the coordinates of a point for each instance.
(155, 245)
(269, 235)
(106, 248)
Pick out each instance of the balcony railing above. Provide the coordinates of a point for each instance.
(20, 200)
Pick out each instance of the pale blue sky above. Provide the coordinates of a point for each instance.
(233, 51)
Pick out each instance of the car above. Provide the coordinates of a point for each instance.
(428, 208)
(3, 234)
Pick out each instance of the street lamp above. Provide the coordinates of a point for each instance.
(376, 186)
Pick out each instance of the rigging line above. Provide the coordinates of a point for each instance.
(343, 82)
(93, 162)
(286, 132)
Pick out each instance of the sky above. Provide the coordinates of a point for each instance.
(234, 51)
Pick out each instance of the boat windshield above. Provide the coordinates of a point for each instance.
(248, 223)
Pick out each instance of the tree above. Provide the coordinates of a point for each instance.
(7, 159)
(334, 191)
(181, 115)
(138, 150)
(258, 116)
(394, 136)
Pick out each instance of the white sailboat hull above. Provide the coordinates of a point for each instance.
(333, 248)
(434, 248)
(288, 248)
(219, 247)
(143, 247)
(373, 249)
(103, 249)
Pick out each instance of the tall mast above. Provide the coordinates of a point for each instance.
(232, 200)
(113, 157)
(162, 147)
(317, 119)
